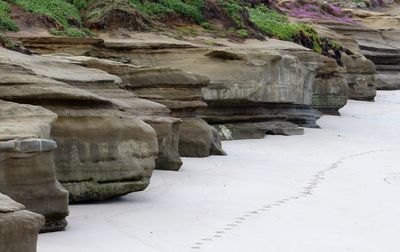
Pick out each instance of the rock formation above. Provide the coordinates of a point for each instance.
(257, 83)
(27, 170)
(379, 46)
(179, 91)
(249, 84)
(102, 151)
(329, 88)
(360, 77)
(19, 228)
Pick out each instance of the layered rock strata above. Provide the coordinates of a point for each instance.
(102, 151)
(256, 84)
(19, 228)
(155, 114)
(329, 88)
(379, 46)
(27, 171)
(180, 92)
(250, 83)
(358, 71)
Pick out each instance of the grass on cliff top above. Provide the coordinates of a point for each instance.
(278, 26)
(6, 23)
(191, 10)
(65, 16)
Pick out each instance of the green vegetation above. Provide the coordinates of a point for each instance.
(278, 26)
(161, 9)
(234, 10)
(80, 4)
(6, 23)
(66, 16)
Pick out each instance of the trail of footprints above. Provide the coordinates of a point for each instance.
(306, 192)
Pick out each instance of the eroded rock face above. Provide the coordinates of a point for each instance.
(360, 77)
(18, 228)
(27, 171)
(168, 132)
(252, 84)
(379, 46)
(329, 89)
(200, 139)
(102, 151)
(179, 91)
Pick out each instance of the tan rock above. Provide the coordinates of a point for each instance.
(103, 152)
(18, 228)
(178, 90)
(199, 140)
(27, 171)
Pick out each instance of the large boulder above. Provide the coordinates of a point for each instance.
(19, 228)
(103, 151)
(200, 140)
(27, 171)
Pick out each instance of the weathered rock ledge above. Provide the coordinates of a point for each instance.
(249, 83)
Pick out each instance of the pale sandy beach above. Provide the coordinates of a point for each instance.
(332, 189)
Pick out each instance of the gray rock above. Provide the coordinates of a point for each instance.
(388, 80)
(28, 145)
(329, 86)
(198, 139)
(257, 130)
(167, 129)
(360, 77)
(379, 46)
